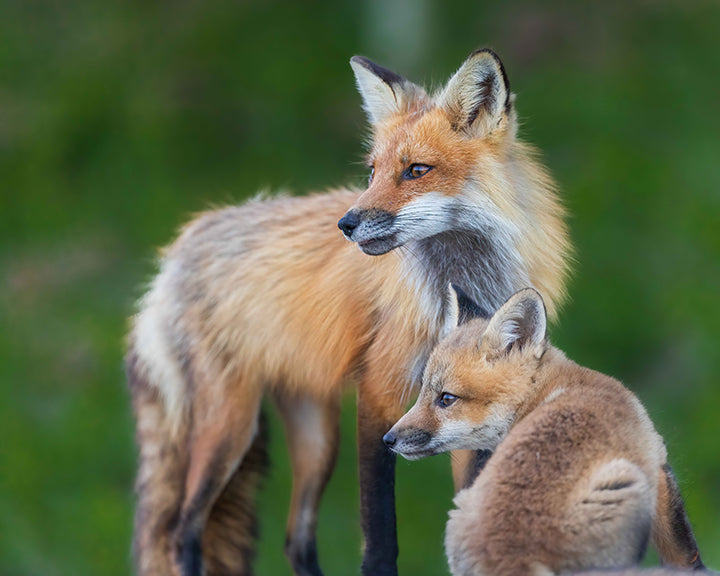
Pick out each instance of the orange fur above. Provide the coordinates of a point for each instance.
(268, 297)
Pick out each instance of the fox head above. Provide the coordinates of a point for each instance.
(430, 155)
(475, 380)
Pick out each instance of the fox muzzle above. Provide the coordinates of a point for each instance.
(410, 443)
(373, 230)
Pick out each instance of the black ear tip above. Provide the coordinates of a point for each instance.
(387, 76)
(489, 51)
(533, 293)
(527, 293)
(468, 307)
(459, 292)
(533, 297)
(498, 62)
(361, 60)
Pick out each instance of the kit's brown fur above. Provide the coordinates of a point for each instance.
(579, 477)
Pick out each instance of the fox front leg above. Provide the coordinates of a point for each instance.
(379, 407)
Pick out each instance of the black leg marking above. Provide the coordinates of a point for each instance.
(476, 466)
(304, 560)
(377, 501)
(303, 554)
(192, 523)
(189, 553)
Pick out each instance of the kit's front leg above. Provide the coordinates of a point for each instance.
(467, 465)
(379, 407)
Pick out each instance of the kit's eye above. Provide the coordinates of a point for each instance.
(446, 399)
(372, 175)
(415, 171)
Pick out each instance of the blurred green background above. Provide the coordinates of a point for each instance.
(120, 119)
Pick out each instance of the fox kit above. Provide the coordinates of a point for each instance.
(579, 477)
(268, 298)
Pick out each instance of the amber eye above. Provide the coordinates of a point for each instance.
(416, 171)
(446, 399)
(372, 174)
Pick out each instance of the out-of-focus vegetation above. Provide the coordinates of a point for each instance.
(120, 119)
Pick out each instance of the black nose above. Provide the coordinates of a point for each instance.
(390, 439)
(349, 222)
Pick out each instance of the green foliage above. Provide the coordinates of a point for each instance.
(120, 119)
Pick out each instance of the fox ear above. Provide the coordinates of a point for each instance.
(459, 309)
(384, 93)
(477, 98)
(519, 323)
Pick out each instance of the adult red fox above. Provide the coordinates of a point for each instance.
(269, 298)
(579, 477)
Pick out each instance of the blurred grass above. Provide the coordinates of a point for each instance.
(120, 119)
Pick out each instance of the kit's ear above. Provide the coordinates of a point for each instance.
(477, 98)
(384, 92)
(520, 323)
(459, 309)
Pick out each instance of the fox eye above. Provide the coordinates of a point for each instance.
(415, 171)
(372, 174)
(446, 399)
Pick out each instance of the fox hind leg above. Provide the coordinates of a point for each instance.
(231, 532)
(612, 517)
(312, 427)
(224, 427)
